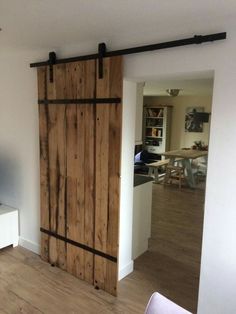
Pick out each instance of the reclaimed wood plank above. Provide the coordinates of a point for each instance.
(110, 86)
(72, 160)
(60, 72)
(53, 173)
(57, 165)
(88, 91)
(89, 189)
(44, 164)
(108, 152)
(80, 79)
(75, 261)
(101, 187)
(115, 118)
(80, 83)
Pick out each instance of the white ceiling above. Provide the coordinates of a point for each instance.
(59, 23)
(200, 86)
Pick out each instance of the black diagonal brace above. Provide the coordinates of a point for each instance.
(93, 101)
(80, 245)
(101, 55)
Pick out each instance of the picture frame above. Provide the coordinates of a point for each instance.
(192, 121)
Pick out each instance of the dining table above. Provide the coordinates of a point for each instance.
(185, 156)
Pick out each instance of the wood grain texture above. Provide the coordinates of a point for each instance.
(110, 86)
(57, 165)
(80, 168)
(80, 188)
(31, 286)
(89, 189)
(80, 83)
(75, 185)
(115, 118)
(44, 164)
(72, 159)
(102, 172)
(75, 261)
(108, 152)
(101, 188)
(80, 79)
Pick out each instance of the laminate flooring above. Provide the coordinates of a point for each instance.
(170, 266)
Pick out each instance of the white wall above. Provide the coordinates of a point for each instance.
(19, 152)
(180, 138)
(139, 114)
(127, 177)
(218, 266)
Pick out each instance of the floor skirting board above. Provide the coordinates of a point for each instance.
(125, 271)
(29, 245)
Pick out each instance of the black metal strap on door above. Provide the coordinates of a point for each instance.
(80, 245)
(102, 53)
(52, 61)
(80, 101)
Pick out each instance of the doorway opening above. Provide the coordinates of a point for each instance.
(171, 147)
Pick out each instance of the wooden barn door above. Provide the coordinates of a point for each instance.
(80, 119)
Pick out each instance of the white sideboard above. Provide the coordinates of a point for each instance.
(9, 231)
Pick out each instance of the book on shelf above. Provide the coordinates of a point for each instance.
(154, 112)
(160, 113)
(150, 113)
(154, 132)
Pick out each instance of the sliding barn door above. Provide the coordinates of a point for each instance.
(80, 119)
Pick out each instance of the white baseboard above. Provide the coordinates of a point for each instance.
(140, 248)
(125, 271)
(29, 245)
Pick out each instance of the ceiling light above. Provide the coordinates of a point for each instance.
(173, 91)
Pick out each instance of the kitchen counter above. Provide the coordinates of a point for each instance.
(141, 179)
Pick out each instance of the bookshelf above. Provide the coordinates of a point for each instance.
(156, 130)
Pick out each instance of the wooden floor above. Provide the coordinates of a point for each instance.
(171, 266)
(30, 286)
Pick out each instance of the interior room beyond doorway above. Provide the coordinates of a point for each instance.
(171, 147)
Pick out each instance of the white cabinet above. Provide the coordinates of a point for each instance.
(9, 234)
(142, 211)
(156, 131)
